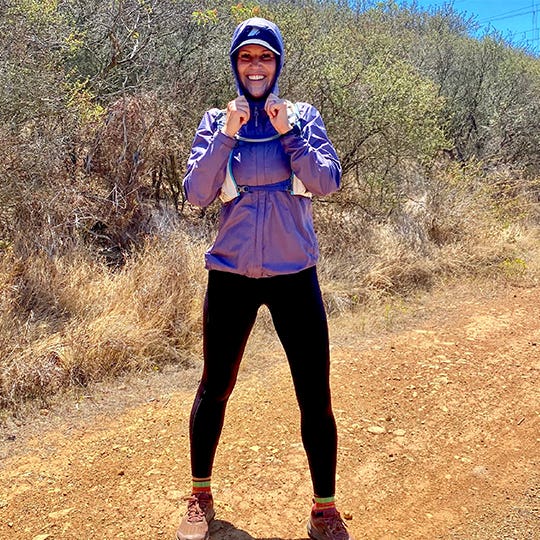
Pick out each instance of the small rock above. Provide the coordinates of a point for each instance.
(376, 430)
(59, 514)
(347, 515)
(480, 471)
(44, 412)
(399, 432)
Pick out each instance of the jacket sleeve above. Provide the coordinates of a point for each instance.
(207, 162)
(313, 158)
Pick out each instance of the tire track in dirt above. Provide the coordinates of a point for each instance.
(439, 429)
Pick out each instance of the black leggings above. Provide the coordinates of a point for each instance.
(297, 310)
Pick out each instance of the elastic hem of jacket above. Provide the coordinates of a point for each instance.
(292, 140)
(295, 130)
(229, 142)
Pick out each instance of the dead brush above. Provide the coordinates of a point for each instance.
(152, 314)
(133, 158)
(449, 225)
(85, 322)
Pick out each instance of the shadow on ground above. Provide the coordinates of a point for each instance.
(223, 530)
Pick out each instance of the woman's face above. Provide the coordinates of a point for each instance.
(256, 68)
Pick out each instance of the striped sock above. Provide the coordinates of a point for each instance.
(323, 503)
(201, 485)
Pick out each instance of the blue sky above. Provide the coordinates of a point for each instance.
(518, 20)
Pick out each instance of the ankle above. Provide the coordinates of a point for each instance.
(201, 486)
(323, 503)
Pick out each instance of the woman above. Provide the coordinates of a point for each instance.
(264, 157)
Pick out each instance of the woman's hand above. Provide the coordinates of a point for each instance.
(237, 116)
(276, 108)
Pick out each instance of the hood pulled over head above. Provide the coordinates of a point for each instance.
(257, 31)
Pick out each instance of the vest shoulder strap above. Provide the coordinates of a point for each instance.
(229, 189)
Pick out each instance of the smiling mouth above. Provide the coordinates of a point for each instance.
(255, 77)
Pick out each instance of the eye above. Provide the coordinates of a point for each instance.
(267, 56)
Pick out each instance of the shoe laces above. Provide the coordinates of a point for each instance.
(195, 511)
(335, 525)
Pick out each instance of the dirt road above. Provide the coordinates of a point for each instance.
(439, 423)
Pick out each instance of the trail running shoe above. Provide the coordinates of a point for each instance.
(200, 512)
(327, 525)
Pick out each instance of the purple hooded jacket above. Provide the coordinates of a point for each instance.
(262, 233)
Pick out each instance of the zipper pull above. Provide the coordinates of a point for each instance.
(256, 112)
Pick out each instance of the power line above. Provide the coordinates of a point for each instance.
(527, 37)
(507, 16)
(518, 32)
(534, 41)
(535, 21)
(511, 12)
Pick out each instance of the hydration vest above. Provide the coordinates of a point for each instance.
(231, 190)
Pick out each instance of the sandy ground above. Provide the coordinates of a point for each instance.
(438, 417)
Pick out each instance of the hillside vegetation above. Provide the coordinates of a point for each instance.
(101, 266)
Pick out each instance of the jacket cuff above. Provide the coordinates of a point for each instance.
(295, 130)
(292, 138)
(229, 142)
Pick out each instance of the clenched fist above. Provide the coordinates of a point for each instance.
(237, 115)
(276, 108)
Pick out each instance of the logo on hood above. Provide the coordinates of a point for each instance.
(254, 32)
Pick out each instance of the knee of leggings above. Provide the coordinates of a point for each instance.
(215, 393)
(317, 415)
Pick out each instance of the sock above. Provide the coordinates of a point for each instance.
(201, 485)
(323, 503)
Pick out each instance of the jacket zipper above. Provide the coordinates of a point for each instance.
(260, 199)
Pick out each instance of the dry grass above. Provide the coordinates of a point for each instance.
(458, 225)
(71, 320)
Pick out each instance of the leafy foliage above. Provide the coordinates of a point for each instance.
(397, 86)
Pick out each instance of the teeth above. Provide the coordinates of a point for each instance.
(255, 77)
